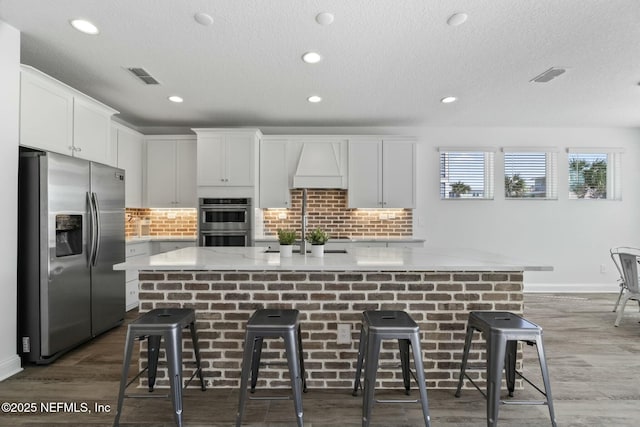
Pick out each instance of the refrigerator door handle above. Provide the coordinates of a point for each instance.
(92, 232)
(96, 228)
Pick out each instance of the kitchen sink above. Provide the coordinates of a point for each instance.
(326, 251)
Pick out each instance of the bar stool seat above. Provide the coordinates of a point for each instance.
(166, 323)
(502, 331)
(378, 326)
(273, 323)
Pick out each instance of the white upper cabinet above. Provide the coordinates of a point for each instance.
(55, 117)
(227, 157)
(274, 174)
(130, 148)
(365, 173)
(46, 114)
(381, 173)
(170, 172)
(398, 173)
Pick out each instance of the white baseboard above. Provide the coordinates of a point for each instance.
(572, 287)
(9, 367)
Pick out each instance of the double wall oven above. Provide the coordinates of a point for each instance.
(225, 222)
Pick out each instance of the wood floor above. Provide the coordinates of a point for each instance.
(593, 365)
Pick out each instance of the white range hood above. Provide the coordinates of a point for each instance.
(322, 164)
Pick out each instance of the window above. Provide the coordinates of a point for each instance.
(594, 175)
(529, 174)
(466, 174)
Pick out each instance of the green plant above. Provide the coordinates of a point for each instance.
(286, 237)
(317, 236)
(458, 188)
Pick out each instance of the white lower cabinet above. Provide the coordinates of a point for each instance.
(134, 249)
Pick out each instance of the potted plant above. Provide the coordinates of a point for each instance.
(286, 239)
(317, 237)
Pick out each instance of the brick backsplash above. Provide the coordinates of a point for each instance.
(439, 301)
(164, 222)
(328, 209)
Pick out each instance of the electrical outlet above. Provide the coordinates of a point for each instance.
(383, 217)
(282, 215)
(392, 215)
(344, 333)
(603, 268)
(171, 215)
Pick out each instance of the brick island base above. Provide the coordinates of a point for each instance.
(439, 301)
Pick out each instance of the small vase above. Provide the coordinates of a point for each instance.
(286, 251)
(317, 251)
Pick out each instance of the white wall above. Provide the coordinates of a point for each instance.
(9, 109)
(573, 236)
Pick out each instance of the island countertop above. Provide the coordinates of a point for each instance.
(360, 259)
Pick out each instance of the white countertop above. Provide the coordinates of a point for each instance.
(352, 239)
(142, 239)
(357, 259)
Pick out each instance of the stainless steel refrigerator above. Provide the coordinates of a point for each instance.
(70, 233)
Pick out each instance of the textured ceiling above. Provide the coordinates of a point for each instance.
(386, 62)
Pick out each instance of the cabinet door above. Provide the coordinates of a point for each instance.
(186, 184)
(91, 130)
(365, 173)
(161, 174)
(211, 159)
(274, 175)
(46, 115)
(130, 150)
(399, 174)
(240, 160)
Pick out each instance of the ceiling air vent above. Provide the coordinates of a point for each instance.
(143, 75)
(548, 75)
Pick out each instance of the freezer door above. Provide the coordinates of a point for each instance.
(107, 285)
(65, 292)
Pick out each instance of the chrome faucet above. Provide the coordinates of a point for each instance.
(303, 229)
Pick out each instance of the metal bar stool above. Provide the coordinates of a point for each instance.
(267, 323)
(502, 331)
(377, 326)
(160, 323)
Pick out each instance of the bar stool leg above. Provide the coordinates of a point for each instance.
(465, 357)
(370, 369)
(420, 378)
(403, 345)
(291, 345)
(510, 365)
(255, 362)
(361, 350)
(545, 379)
(496, 346)
(128, 349)
(196, 351)
(173, 344)
(153, 351)
(301, 359)
(244, 375)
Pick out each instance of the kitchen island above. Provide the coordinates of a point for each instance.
(225, 285)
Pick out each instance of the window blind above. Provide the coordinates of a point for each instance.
(466, 174)
(594, 175)
(530, 175)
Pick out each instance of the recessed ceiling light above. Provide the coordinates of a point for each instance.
(448, 99)
(324, 18)
(84, 26)
(314, 99)
(457, 19)
(203, 19)
(312, 57)
(176, 99)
